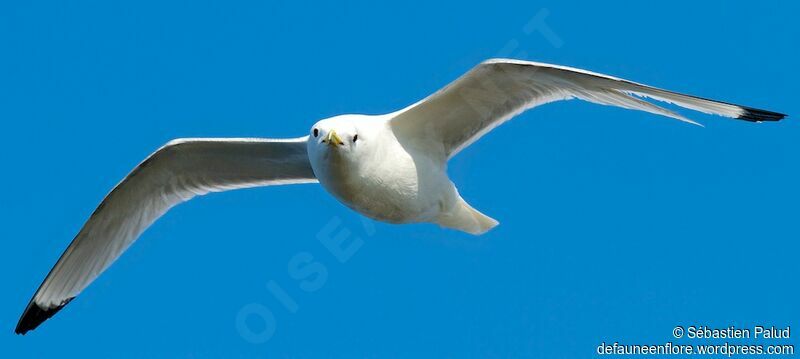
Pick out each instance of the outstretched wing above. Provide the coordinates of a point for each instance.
(497, 90)
(175, 173)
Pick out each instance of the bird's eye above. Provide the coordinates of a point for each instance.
(316, 132)
(355, 138)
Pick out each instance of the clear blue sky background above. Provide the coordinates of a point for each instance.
(615, 225)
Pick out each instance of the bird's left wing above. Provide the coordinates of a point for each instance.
(497, 90)
(175, 173)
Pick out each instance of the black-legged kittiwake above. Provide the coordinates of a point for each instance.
(390, 167)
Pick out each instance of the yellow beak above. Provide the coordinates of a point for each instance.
(333, 139)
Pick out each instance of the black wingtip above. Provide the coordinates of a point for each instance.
(35, 315)
(756, 115)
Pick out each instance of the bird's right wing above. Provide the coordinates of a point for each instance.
(498, 89)
(175, 173)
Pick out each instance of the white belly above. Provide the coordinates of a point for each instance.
(390, 177)
(400, 189)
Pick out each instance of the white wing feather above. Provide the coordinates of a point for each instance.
(497, 90)
(175, 173)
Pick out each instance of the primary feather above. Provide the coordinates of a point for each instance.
(175, 173)
(498, 89)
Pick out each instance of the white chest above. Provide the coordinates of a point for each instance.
(387, 183)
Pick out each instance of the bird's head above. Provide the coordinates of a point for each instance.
(337, 134)
(341, 141)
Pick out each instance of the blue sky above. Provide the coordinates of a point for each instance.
(615, 225)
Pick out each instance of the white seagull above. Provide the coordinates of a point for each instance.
(390, 167)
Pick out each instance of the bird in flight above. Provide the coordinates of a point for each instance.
(390, 167)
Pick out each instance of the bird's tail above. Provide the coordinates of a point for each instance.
(467, 219)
